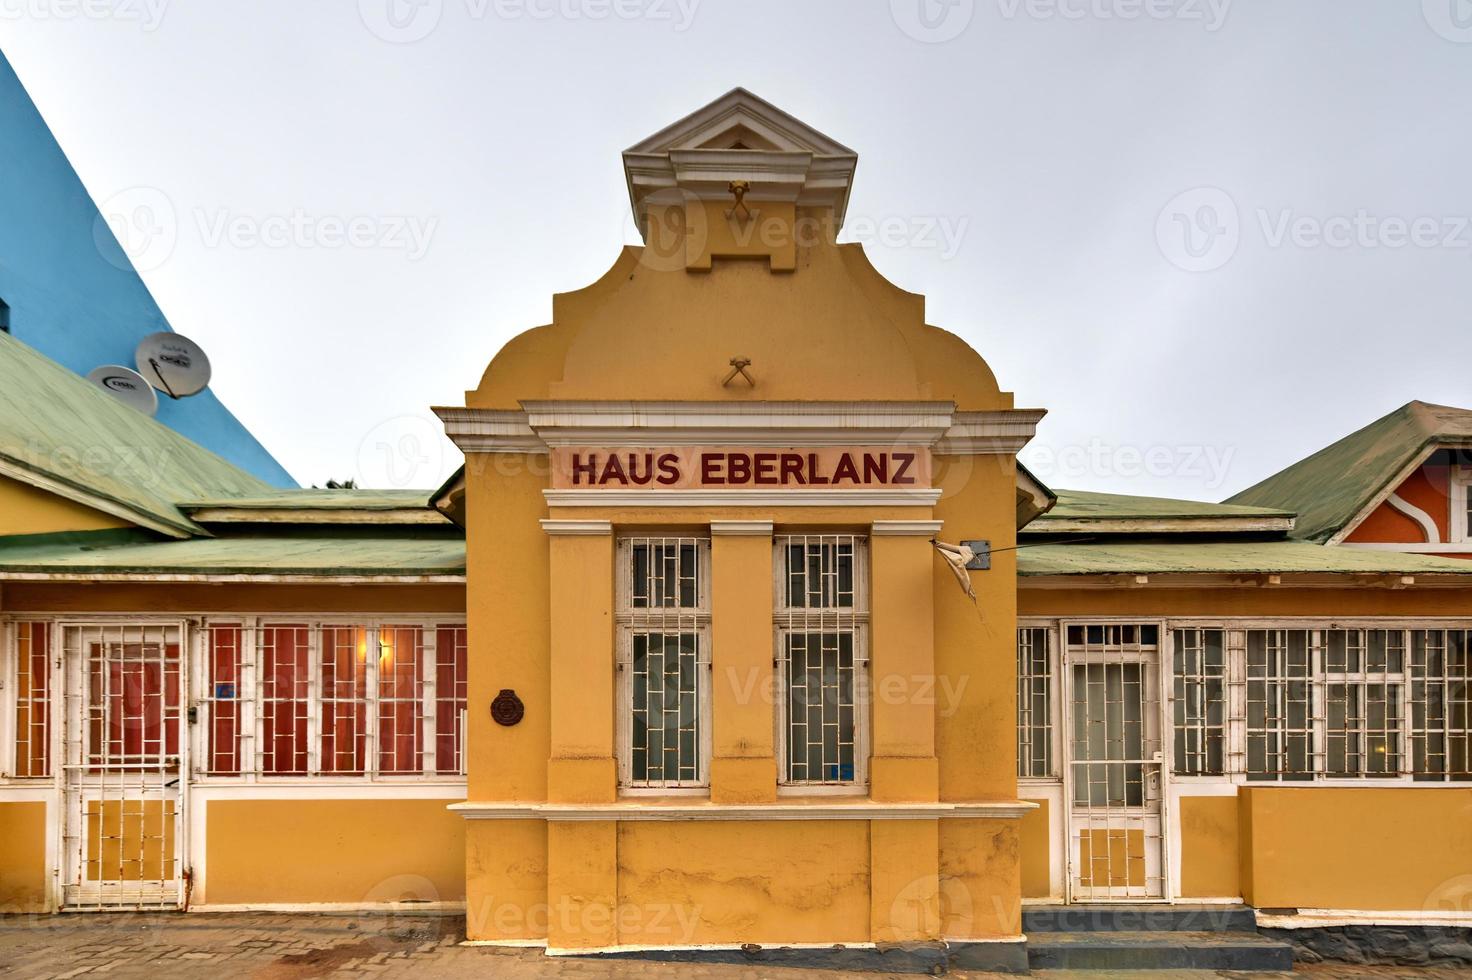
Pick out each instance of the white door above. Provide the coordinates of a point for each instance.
(1114, 762)
(124, 743)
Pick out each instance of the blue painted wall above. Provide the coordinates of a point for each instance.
(72, 293)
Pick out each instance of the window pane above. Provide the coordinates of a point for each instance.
(284, 686)
(666, 708)
(821, 711)
(451, 688)
(344, 694)
(223, 694)
(1200, 702)
(32, 700)
(400, 699)
(666, 573)
(820, 573)
(1034, 704)
(1280, 737)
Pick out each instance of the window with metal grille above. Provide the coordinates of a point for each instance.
(822, 614)
(1460, 486)
(663, 655)
(1034, 703)
(329, 699)
(31, 664)
(1199, 678)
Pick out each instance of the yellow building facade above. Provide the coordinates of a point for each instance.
(741, 627)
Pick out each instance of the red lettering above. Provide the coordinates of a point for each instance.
(813, 475)
(648, 469)
(581, 469)
(846, 470)
(876, 468)
(792, 469)
(669, 472)
(738, 468)
(613, 470)
(905, 460)
(766, 465)
(710, 468)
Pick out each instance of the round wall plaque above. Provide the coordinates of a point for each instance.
(507, 708)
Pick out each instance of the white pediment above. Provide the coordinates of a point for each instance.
(741, 136)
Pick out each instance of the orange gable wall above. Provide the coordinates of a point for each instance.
(1427, 488)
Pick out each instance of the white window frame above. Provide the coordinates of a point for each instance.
(1460, 490)
(251, 718)
(789, 620)
(669, 620)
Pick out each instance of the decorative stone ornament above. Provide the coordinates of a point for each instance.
(507, 708)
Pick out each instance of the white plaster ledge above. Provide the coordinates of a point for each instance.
(705, 810)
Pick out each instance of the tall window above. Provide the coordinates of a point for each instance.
(1199, 678)
(1034, 703)
(333, 699)
(822, 614)
(32, 687)
(664, 663)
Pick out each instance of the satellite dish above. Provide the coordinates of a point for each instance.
(127, 386)
(173, 364)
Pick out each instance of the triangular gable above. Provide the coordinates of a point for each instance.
(741, 117)
(1341, 484)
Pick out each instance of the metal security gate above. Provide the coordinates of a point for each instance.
(1115, 766)
(123, 750)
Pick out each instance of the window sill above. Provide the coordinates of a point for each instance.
(810, 808)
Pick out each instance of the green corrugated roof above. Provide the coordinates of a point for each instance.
(1231, 557)
(315, 499)
(106, 554)
(61, 431)
(1085, 505)
(1331, 487)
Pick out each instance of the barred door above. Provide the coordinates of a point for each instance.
(124, 743)
(1115, 763)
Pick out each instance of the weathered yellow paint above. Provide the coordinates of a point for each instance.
(1036, 842)
(582, 768)
(1208, 847)
(130, 840)
(901, 669)
(904, 880)
(506, 899)
(340, 851)
(743, 755)
(1111, 857)
(774, 882)
(1210, 602)
(582, 884)
(186, 598)
(23, 870)
(980, 877)
(25, 509)
(1351, 848)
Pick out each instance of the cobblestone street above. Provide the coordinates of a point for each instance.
(296, 947)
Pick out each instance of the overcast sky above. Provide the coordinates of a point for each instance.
(1209, 236)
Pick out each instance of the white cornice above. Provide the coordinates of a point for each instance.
(705, 810)
(585, 528)
(927, 529)
(542, 425)
(622, 499)
(753, 528)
